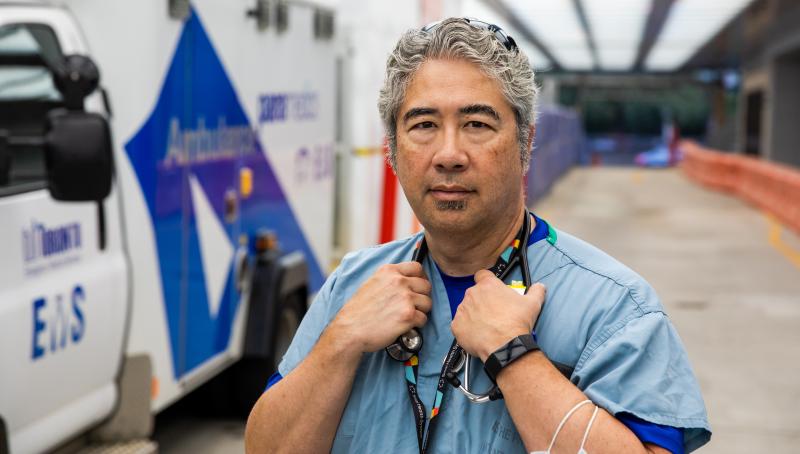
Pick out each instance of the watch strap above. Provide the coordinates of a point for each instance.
(510, 352)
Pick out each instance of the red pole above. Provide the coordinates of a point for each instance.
(389, 201)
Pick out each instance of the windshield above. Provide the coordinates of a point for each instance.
(27, 94)
(26, 52)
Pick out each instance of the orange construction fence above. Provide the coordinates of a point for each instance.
(772, 187)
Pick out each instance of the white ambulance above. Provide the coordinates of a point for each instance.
(166, 223)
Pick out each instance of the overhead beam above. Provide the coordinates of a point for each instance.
(587, 31)
(505, 12)
(742, 42)
(659, 12)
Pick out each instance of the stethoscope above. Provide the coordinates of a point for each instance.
(410, 343)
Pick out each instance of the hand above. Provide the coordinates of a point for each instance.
(492, 314)
(392, 301)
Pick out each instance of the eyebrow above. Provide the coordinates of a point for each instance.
(480, 109)
(418, 112)
(466, 110)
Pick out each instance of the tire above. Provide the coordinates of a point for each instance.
(249, 376)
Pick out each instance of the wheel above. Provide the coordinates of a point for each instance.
(234, 392)
(249, 376)
(291, 315)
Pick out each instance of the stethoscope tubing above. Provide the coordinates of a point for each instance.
(520, 258)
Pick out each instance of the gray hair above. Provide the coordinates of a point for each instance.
(454, 38)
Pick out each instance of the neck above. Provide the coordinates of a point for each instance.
(466, 254)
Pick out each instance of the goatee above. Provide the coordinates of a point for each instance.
(451, 205)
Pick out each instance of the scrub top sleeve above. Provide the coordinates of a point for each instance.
(642, 368)
(314, 322)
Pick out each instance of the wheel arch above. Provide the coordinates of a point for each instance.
(274, 279)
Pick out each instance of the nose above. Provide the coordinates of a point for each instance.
(450, 156)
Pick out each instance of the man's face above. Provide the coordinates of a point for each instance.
(457, 151)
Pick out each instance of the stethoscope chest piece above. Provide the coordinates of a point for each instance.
(406, 346)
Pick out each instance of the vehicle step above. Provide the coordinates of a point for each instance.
(127, 447)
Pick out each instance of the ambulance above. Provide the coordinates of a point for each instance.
(166, 204)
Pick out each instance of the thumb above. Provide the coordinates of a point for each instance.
(537, 292)
(483, 275)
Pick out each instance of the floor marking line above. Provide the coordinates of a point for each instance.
(775, 240)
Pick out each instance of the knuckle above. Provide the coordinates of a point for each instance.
(397, 280)
(407, 313)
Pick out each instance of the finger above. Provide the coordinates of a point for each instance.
(420, 319)
(410, 269)
(419, 285)
(423, 303)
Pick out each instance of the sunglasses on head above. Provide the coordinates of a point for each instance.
(506, 40)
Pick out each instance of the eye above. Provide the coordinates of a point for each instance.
(476, 124)
(424, 125)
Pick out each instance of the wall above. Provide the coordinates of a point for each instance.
(785, 134)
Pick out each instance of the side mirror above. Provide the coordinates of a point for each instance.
(78, 156)
(5, 159)
(77, 148)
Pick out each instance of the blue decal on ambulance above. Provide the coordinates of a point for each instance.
(61, 325)
(47, 247)
(40, 241)
(275, 108)
(198, 131)
(37, 351)
(78, 328)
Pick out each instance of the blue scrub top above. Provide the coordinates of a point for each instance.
(599, 316)
(669, 438)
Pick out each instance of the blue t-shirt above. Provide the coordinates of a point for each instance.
(456, 286)
(670, 438)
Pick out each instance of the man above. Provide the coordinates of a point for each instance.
(457, 104)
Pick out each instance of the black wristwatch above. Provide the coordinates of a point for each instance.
(505, 355)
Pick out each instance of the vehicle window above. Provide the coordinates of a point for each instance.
(27, 94)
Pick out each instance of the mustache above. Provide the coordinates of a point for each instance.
(451, 182)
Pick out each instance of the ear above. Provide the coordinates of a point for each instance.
(531, 135)
(386, 153)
